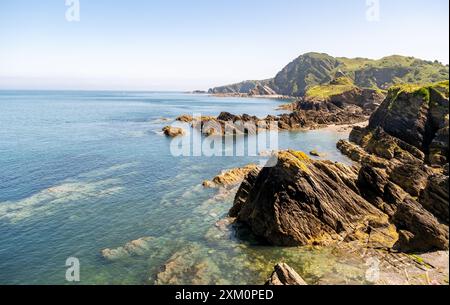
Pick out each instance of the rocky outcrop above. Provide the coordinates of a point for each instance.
(173, 131)
(395, 198)
(348, 107)
(227, 124)
(419, 230)
(403, 173)
(232, 177)
(341, 94)
(188, 266)
(417, 116)
(284, 275)
(305, 202)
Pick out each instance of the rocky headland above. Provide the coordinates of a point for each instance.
(394, 198)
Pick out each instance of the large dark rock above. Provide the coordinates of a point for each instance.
(417, 116)
(419, 229)
(302, 202)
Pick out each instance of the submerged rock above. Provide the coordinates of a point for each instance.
(136, 247)
(302, 202)
(285, 275)
(419, 229)
(416, 115)
(188, 266)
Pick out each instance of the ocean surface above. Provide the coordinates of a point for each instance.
(85, 171)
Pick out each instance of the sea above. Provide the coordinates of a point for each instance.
(84, 171)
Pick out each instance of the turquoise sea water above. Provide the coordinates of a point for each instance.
(85, 171)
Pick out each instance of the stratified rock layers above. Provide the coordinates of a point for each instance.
(397, 197)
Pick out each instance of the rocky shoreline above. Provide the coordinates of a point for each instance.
(348, 108)
(395, 199)
(390, 208)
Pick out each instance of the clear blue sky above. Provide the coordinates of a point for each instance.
(190, 44)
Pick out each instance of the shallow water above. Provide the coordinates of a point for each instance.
(85, 171)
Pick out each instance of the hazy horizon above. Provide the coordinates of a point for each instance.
(179, 46)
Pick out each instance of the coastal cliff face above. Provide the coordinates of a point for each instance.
(396, 197)
(312, 69)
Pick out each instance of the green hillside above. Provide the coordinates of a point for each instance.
(312, 69)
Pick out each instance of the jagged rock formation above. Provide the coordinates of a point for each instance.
(285, 276)
(411, 181)
(349, 107)
(305, 202)
(396, 198)
(312, 69)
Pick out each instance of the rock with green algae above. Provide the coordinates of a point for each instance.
(416, 115)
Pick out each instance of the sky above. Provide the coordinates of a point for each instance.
(198, 44)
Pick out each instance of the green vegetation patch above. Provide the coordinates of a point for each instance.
(335, 87)
(417, 90)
